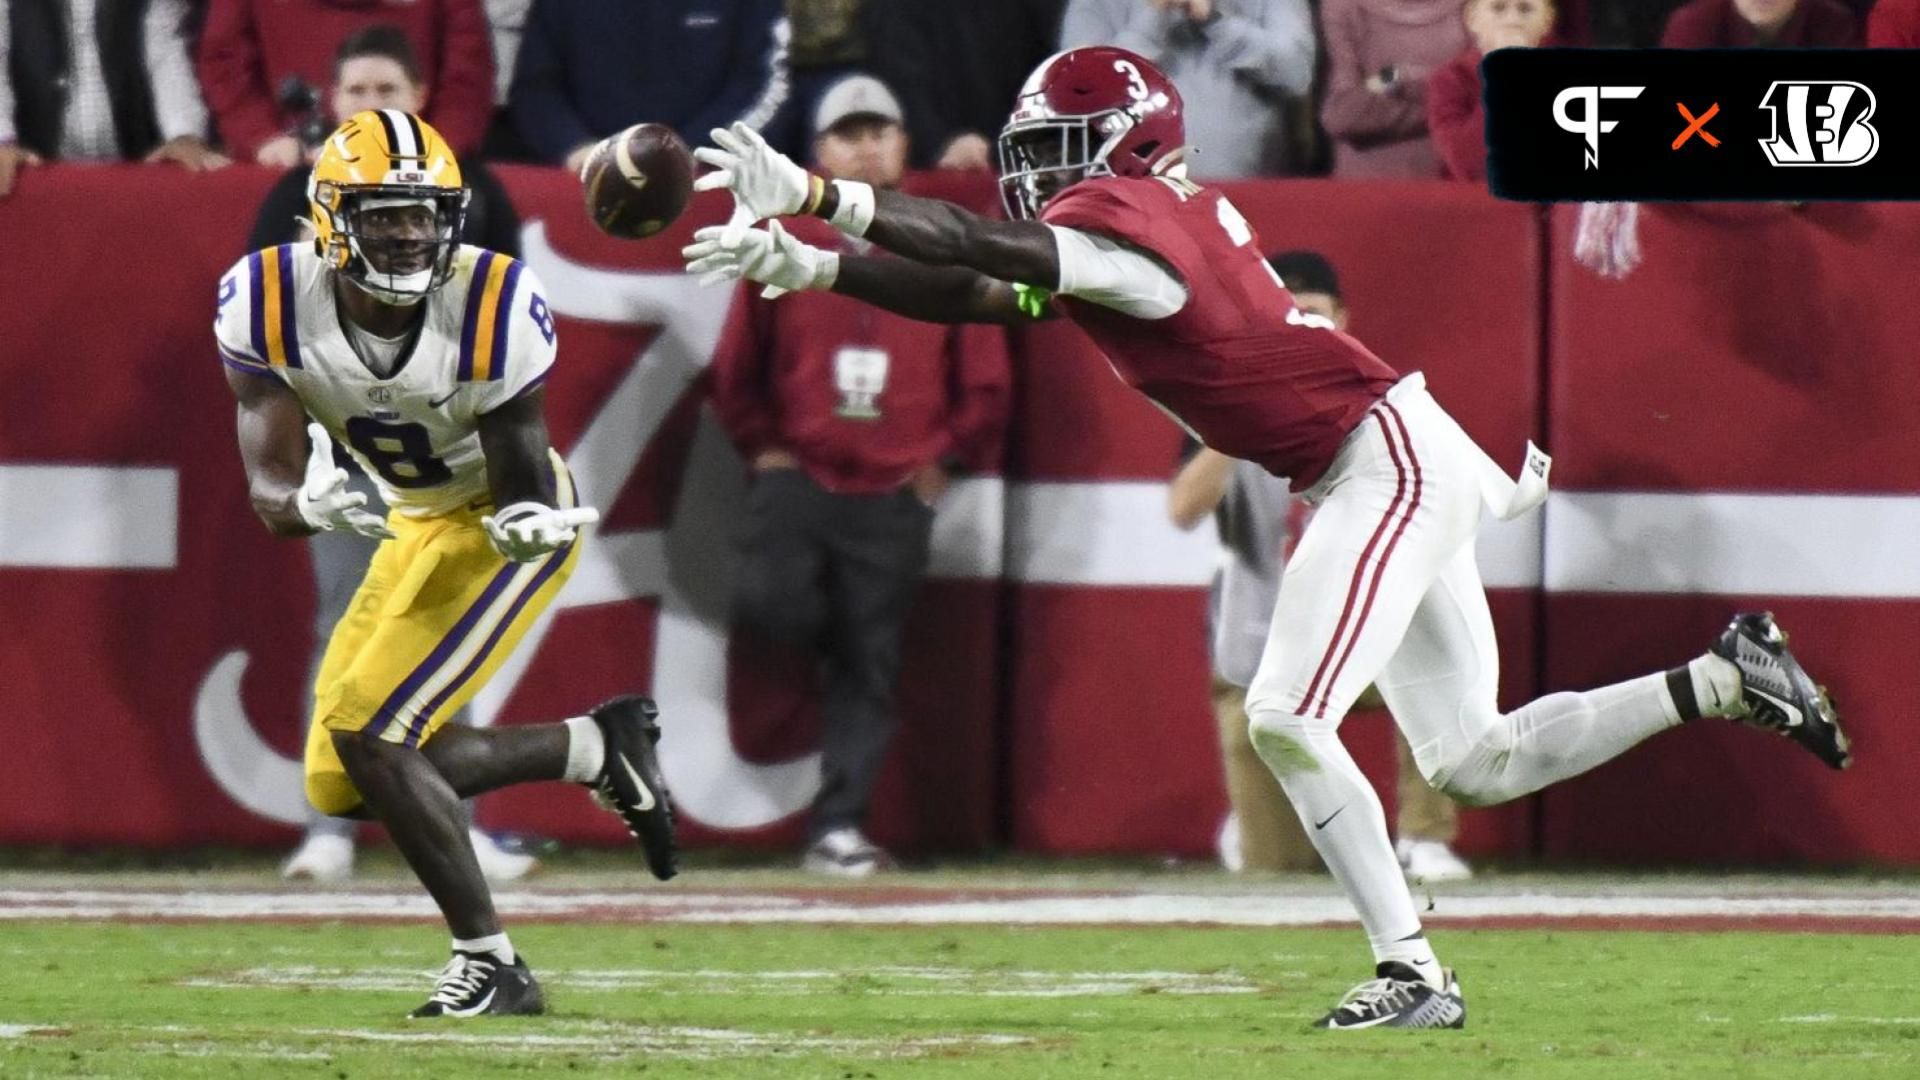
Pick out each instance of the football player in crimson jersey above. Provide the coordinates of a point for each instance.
(1167, 278)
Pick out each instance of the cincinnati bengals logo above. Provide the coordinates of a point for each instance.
(1819, 123)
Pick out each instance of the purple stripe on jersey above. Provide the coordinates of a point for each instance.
(476, 289)
(497, 364)
(256, 293)
(289, 317)
(259, 371)
(417, 727)
(397, 700)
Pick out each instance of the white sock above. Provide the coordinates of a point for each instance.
(1416, 953)
(1559, 736)
(1716, 685)
(586, 750)
(1340, 813)
(497, 944)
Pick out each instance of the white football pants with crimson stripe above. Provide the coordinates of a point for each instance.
(1383, 589)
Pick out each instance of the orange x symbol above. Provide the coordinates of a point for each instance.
(1697, 125)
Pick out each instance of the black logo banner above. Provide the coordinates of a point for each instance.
(1708, 124)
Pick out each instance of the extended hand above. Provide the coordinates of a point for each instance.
(324, 501)
(770, 256)
(527, 531)
(765, 182)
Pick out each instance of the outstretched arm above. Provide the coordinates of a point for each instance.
(766, 184)
(940, 294)
(773, 257)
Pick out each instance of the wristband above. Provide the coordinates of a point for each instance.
(854, 212)
(816, 192)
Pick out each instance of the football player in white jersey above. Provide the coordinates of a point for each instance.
(425, 358)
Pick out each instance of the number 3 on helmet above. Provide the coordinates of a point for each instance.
(1083, 113)
(378, 160)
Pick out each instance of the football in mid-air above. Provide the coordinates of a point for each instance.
(637, 181)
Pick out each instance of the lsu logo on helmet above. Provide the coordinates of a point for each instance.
(1819, 123)
(379, 159)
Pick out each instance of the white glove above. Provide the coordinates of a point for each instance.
(527, 531)
(770, 256)
(765, 182)
(324, 501)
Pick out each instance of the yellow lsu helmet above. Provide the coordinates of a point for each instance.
(379, 160)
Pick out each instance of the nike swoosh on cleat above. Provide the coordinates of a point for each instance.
(646, 793)
(1318, 825)
(477, 1009)
(1794, 716)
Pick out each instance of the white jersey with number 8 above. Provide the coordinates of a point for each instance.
(486, 338)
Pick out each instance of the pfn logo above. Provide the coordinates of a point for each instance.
(1825, 123)
(1589, 125)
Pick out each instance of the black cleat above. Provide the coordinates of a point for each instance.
(1777, 692)
(1397, 997)
(478, 984)
(630, 782)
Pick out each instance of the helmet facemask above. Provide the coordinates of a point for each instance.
(395, 243)
(1042, 157)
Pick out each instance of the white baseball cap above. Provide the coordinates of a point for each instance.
(856, 95)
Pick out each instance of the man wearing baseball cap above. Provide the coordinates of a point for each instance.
(850, 420)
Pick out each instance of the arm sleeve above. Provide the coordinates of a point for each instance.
(757, 79)
(1458, 126)
(1351, 112)
(241, 344)
(232, 79)
(743, 399)
(462, 102)
(531, 343)
(1276, 51)
(542, 111)
(982, 388)
(176, 92)
(1104, 271)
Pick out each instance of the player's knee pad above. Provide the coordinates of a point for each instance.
(1285, 741)
(1480, 776)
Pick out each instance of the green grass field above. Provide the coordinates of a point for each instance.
(664, 999)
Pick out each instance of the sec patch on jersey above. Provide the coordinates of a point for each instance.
(637, 181)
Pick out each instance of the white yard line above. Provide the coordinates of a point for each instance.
(938, 908)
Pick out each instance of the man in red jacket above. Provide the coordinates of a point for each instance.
(1741, 24)
(1454, 114)
(250, 49)
(850, 418)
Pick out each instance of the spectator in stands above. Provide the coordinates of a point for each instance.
(374, 68)
(259, 58)
(1894, 24)
(1258, 520)
(506, 21)
(1379, 54)
(959, 67)
(98, 80)
(1237, 63)
(851, 420)
(1454, 113)
(1735, 24)
(588, 68)
(827, 44)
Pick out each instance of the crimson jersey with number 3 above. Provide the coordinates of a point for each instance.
(1251, 375)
